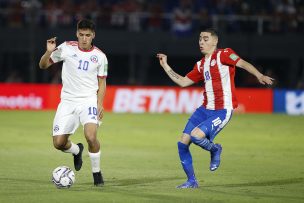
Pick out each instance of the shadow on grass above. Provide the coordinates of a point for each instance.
(109, 182)
(134, 181)
(149, 180)
(120, 186)
(24, 180)
(135, 188)
(247, 191)
(263, 183)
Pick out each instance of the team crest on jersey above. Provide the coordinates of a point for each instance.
(56, 128)
(94, 59)
(233, 56)
(213, 62)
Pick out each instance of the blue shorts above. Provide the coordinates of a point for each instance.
(211, 122)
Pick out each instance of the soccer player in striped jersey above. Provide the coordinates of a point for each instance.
(216, 70)
(84, 73)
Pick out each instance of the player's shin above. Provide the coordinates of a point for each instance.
(95, 161)
(186, 160)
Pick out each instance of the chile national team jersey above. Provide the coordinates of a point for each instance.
(80, 70)
(217, 72)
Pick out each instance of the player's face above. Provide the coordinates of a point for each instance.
(85, 38)
(207, 43)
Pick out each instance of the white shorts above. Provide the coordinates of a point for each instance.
(70, 114)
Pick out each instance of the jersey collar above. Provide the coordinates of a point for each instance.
(91, 49)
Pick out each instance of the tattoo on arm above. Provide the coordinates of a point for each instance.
(173, 74)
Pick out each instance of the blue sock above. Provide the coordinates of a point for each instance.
(204, 143)
(186, 160)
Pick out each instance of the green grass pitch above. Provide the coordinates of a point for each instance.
(262, 160)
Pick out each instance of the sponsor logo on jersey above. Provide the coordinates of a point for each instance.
(74, 55)
(233, 57)
(94, 59)
(213, 62)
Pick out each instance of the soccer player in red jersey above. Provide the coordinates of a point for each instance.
(216, 70)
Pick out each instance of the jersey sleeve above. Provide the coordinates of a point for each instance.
(195, 75)
(103, 67)
(229, 57)
(58, 54)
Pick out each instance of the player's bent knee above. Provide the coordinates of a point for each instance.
(59, 145)
(59, 142)
(185, 139)
(196, 132)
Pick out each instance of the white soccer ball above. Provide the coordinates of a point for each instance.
(63, 177)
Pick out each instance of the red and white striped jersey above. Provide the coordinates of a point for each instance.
(217, 72)
(80, 70)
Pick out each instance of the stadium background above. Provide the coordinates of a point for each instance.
(261, 161)
(131, 32)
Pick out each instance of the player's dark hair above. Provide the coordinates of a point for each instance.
(86, 24)
(212, 31)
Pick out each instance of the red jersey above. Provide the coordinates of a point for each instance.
(217, 72)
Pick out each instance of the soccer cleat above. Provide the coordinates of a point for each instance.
(98, 179)
(215, 158)
(188, 184)
(78, 158)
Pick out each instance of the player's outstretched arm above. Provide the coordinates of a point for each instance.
(263, 79)
(45, 59)
(178, 79)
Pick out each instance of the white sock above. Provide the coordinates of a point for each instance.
(95, 161)
(74, 149)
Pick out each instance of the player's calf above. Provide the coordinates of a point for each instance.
(215, 157)
(214, 149)
(203, 143)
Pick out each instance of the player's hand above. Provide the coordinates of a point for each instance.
(51, 44)
(100, 112)
(265, 80)
(162, 59)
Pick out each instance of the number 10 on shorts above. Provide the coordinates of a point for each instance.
(93, 110)
(216, 121)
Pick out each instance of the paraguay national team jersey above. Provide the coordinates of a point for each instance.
(80, 70)
(217, 72)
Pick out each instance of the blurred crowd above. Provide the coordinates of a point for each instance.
(182, 17)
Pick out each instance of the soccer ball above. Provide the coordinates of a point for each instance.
(63, 177)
